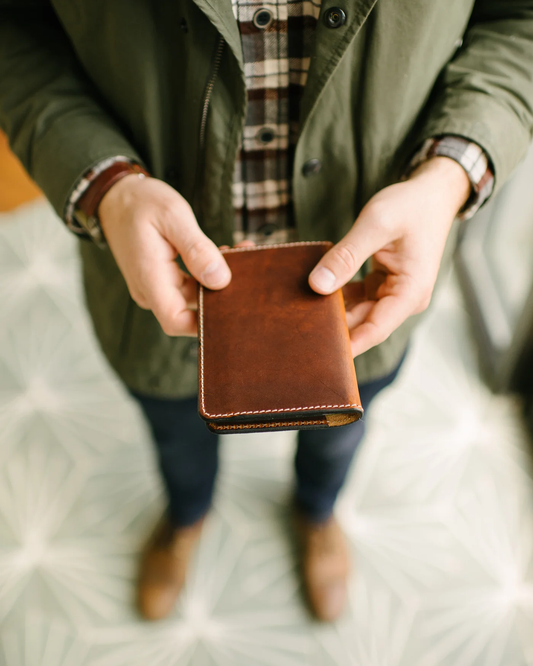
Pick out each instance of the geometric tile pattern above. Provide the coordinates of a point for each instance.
(438, 505)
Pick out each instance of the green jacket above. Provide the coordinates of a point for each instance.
(82, 80)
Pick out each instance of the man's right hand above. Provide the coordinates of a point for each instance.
(147, 224)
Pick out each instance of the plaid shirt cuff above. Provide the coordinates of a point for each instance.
(81, 186)
(471, 157)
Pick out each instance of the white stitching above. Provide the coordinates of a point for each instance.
(288, 409)
(201, 339)
(273, 245)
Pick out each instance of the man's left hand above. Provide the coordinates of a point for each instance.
(404, 229)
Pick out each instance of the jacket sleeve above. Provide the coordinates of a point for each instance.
(486, 92)
(54, 119)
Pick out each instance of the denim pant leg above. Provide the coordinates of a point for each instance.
(187, 454)
(323, 457)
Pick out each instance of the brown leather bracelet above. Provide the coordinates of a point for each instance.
(89, 201)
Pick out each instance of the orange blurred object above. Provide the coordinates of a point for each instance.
(16, 187)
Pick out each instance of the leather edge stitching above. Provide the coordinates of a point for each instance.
(273, 246)
(285, 410)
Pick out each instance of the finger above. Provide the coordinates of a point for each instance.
(189, 289)
(367, 236)
(382, 319)
(244, 243)
(162, 283)
(198, 252)
(169, 304)
(357, 314)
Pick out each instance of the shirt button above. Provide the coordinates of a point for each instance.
(311, 167)
(268, 229)
(334, 17)
(262, 18)
(265, 135)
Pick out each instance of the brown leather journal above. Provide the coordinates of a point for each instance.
(274, 355)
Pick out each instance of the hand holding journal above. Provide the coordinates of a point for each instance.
(274, 355)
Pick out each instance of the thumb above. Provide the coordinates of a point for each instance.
(341, 263)
(198, 252)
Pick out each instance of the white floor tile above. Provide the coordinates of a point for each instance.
(438, 507)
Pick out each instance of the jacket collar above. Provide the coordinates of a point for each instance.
(329, 48)
(220, 13)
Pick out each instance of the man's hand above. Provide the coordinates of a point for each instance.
(404, 229)
(147, 224)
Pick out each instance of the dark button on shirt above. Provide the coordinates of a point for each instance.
(262, 18)
(277, 45)
(268, 229)
(266, 135)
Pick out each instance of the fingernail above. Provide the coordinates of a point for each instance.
(216, 274)
(323, 279)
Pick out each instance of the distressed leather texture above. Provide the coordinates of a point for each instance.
(274, 355)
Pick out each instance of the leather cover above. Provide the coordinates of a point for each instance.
(274, 355)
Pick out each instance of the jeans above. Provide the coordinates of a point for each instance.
(188, 456)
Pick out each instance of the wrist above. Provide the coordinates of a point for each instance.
(117, 195)
(88, 205)
(447, 178)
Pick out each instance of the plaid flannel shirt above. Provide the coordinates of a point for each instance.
(277, 42)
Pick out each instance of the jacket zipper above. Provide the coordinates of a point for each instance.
(203, 121)
(209, 89)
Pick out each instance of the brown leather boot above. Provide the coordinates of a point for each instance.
(325, 564)
(163, 567)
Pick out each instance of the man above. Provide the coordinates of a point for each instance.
(163, 129)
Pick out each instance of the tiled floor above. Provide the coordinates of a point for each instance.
(439, 506)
